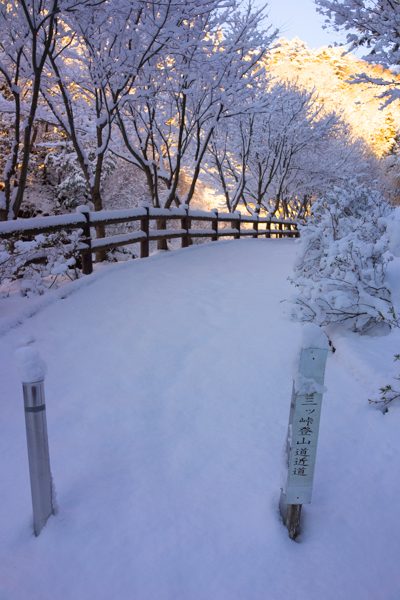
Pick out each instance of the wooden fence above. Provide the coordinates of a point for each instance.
(84, 219)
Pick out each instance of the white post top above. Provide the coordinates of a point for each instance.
(314, 337)
(82, 208)
(31, 366)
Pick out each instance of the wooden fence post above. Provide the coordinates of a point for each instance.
(268, 228)
(280, 229)
(255, 226)
(236, 225)
(185, 224)
(144, 226)
(87, 261)
(302, 436)
(214, 225)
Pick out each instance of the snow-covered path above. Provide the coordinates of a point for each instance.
(167, 398)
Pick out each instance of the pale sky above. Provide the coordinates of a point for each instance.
(300, 18)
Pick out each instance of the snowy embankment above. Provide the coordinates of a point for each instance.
(168, 390)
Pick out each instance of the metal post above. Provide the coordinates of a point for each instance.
(37, 442)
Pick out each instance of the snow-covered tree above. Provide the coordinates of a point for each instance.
(207, 75)
(328, 71)
(29, 32)
(136, 64)
(375, 25)
(342, 260)
(275, 160)
(109, 45)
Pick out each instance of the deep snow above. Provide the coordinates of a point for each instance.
(168, 392)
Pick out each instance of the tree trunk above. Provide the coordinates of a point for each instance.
(14, 160)
(27, 145)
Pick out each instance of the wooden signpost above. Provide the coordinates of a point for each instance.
(302, 436)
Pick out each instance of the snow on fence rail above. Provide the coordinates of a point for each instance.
(84, 219)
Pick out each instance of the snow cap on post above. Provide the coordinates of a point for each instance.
(82, 208)
(31, 366)
(314, 337)
(144, 204)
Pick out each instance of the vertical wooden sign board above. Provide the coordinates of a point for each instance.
(302, 438)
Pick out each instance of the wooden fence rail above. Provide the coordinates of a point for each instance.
(84, 219)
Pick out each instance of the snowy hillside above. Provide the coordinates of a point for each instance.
(168, 391)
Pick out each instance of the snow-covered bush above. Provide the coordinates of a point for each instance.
(386, 394)
(40, 262)
(73, 189)
(342, 260)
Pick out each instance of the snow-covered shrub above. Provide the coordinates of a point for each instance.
(386, 394)
(342, 260)
(40, 262)
(73, 189)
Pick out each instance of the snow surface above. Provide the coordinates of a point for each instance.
(168, 393)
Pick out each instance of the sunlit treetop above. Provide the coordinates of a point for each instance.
(329, 71)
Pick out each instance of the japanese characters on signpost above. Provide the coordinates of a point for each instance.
(302, 437)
